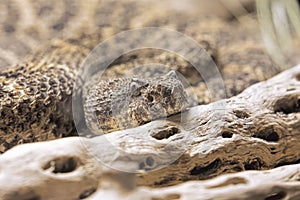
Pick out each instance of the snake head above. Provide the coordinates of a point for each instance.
(157, 97)
(129, 102)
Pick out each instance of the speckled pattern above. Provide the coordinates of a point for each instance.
(124, 103)
(56, 37)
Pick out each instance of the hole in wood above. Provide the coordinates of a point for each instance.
(288, 104)
(87, 193)
(268, 134)
(277, 196)
(150, 161)
(253, 165)
(165, 133)
(227, 134)
(211, 168)
(62, 165)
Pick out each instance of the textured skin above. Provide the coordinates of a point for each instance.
(36, 91)
(124, 103)
(36, 96)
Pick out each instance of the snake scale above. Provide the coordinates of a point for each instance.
(43, 44)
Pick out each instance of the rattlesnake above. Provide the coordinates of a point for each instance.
(36, 93)
(147, 99)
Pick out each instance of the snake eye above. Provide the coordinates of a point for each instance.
(136, 93)
(134, 86)
(136, 83)
(135, 89)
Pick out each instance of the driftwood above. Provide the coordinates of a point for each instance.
(27, 173)
(275, 184)
(256, 130)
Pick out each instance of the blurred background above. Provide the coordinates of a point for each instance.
(26, 25)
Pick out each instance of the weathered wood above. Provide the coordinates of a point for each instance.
(256, 130)
(35, 179)
(279, 183)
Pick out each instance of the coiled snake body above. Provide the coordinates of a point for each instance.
(36, 92)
